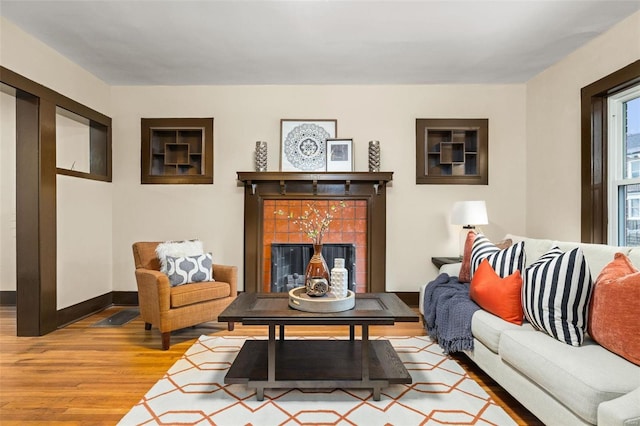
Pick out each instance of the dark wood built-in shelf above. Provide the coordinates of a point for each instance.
(452, 151)
(177, 150)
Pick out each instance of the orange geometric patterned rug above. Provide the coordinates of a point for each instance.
(193, 392)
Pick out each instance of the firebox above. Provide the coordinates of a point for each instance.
(289, 262)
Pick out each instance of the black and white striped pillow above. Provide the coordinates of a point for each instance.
(505, 262)
(556, 293)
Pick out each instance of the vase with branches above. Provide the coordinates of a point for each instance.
(314, 223)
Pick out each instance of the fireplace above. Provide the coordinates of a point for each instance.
(365, 196)
(289, 261)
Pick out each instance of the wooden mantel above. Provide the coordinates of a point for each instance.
(260, 186)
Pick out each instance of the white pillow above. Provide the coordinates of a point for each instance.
(177, 249)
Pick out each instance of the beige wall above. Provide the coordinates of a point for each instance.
(534, 170)
(417, 214)
(553, 129)
(84, 207)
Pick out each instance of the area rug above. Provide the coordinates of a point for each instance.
(193, 392)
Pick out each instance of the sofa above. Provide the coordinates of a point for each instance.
(559, 383)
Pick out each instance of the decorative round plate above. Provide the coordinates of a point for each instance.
(305, 146)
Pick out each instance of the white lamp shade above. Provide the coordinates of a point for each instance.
(469, 213)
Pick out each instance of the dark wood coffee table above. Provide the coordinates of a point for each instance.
(317, 363)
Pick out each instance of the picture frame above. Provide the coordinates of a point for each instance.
(303, 144)
(339, 155)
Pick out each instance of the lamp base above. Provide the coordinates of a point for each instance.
(463, 237)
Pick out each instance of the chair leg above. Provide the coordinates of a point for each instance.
(166, 340)
(230, 325)
(147, 326)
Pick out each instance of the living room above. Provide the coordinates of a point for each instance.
(534, 159)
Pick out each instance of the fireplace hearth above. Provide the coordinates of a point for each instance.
(289, 262)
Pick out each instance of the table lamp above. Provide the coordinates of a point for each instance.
(468, 214)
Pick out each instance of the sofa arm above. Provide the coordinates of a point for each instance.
(227, 274)
(622, 411)
(154, 291)
(452, 269)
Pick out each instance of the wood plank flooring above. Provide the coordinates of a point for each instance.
(83, 375)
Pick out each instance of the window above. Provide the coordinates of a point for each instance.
(595, 175)
(624, 167)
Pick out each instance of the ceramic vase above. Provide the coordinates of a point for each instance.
(261, 156)
(339, 279)
(316, 277)
(374, 156)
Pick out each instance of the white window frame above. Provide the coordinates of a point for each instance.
(617, 160)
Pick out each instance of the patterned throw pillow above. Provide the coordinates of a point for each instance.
(189, 269)
(464, 276)
(505, 262)
(556, 293)
(177, 249)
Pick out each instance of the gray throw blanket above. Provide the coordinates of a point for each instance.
(447, 313)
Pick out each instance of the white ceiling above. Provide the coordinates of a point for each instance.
(315, 42)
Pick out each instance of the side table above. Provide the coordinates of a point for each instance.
(439, 261)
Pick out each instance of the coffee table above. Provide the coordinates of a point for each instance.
(317, 363)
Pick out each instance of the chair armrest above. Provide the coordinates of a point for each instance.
(227, 274)
(153, 289)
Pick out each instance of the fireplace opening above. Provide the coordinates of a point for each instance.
(289, 262)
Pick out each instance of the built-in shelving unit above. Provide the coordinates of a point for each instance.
(177, 150)
(451, 151)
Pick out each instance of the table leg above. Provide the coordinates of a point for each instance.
(271, 354)
(365, 352)
(352, 332)
(282, 332)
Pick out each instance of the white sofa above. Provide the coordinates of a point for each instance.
(559, 383)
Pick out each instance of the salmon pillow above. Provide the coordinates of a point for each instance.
(500, 296)
(613, 315)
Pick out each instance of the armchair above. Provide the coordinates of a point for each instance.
(172, 308)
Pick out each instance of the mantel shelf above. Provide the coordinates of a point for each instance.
(252, 177)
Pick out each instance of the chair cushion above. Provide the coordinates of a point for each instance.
(188, 294)
(487, 328)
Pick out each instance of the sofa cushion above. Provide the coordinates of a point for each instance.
(556, 293)
(597, 255)
(534, 248)
(613, 316)
(500, 296)
(189, 294)
(189, 269)
(487, 328)
(579, 377)
(505, 262)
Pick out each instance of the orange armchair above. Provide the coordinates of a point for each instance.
(172, 308)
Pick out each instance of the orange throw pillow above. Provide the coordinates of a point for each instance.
(464, 276)
(500, 296)
(613, 315)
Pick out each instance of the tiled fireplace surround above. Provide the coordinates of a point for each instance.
(349, 225)
(362, 222)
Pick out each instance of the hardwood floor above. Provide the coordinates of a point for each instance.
(82, 375)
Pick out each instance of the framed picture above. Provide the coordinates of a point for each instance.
(303, 144)
(339, 155)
